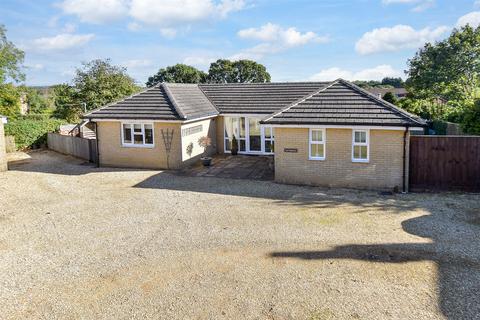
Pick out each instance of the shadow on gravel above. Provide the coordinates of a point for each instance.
(455, 250)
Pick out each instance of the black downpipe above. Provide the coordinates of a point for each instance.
(98, 150)
(404, 185)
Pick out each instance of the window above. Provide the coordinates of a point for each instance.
(235, 127)
(137, 135)
(269, 140)
(360, 146)
(317, 144)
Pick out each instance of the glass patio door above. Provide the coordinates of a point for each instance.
(254, 135)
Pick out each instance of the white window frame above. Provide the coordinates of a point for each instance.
(132, 144)
(366, 143)
(324, 142)
(265, 139)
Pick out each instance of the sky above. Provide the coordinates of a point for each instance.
(297, 40)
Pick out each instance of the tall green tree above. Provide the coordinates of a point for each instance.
(241, 71)
(179, 73)
(394, 82)
(449, 69)
(11, 59)
(9, 100)
(95, 84)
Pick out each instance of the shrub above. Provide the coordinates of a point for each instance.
(30, 133)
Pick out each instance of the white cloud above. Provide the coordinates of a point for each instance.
(274, 39)
(95, 11)
(472, 18)
(62, 41)
(397, 38)
(376, 73)
(420, 5)
(36, 66)
(137, 63)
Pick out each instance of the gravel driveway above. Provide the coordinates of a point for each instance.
(77, 242)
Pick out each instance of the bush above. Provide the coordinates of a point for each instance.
(30, 133)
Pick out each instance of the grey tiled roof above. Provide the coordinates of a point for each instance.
(343, 103)
(258, 98)
(189, 101)
(153, 103)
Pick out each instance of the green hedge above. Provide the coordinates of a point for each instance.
(31, 133)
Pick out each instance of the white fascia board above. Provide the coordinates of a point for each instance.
(135, 120)
(341, 127)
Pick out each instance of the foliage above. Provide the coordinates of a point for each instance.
(179, 73)
(234, 148)
(96, 84)
(37, 103)
(390, 97)
(471, 119)
(204, 142)
(67, 105)
(9, 101)
(241, 71)
(31, 133)
(220, 71)
(11, 59)
(394, 82)
(449, 69)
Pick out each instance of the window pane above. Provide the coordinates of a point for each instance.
(269, 146)
(148, 134)
(317, 135)
(127, 133)
(228, 127)
(317, 150)
(241, 144)
(363, 152)
(360, 136)
(138, 139)
(228, 145)
(268, 132)
(137, 128)
(360, 152)
(242, 127)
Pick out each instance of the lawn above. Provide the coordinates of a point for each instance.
(102, 243)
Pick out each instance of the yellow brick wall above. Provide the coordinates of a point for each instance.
(209, 129)
(220, 133)
(3, 155)
(383, 171)
(112, 153)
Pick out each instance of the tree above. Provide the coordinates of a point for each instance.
(449, 69)
(390, 97)
(471, 119)
(394, 82)
(37, 103)
(67, 105)
(11, 59)
(9, 100)
(241, 71)
(98, 83)
(179, 73)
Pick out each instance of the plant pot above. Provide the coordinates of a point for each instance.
(234, 152)
(206, 161)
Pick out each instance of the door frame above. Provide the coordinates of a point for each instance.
(247, 136)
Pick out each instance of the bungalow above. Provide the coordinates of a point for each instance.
(319, 133)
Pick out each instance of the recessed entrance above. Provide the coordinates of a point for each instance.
(251, 136)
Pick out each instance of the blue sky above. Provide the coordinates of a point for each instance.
(297, 40)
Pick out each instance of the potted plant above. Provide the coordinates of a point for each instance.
(234, 149)
(205, 142)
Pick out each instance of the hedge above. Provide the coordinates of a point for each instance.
(31, 133)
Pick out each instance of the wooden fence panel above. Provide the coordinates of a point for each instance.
(444, 163)
(75, 146)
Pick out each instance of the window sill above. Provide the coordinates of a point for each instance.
(360, 161)
(142, 146)
(316, 159)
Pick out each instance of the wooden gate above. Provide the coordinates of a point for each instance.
(444, 163)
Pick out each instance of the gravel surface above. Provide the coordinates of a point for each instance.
(78, 242)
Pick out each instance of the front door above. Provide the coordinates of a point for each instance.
(254, 135)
